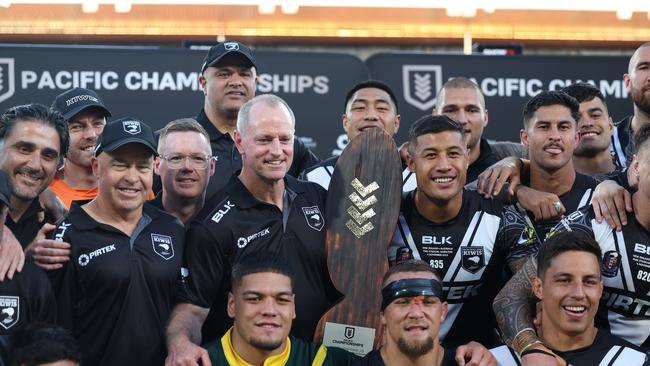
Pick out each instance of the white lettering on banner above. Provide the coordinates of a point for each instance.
(156, 81)
(292, 84)
(109, 80)
(528, 88)
(64, 80)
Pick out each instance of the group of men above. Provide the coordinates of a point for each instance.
(216, 249)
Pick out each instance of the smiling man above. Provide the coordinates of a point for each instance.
(466, 238)
(34, 140)
(86, 115)
(262, 304)
(569, 284)
(263, 208)
(228, 79)
(117, 291)
(592, 155)
(368, 104)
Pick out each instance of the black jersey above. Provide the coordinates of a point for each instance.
(577, 197)
(30, 222)
(26, 298)
(374, 359)
(116, 292)
(625, 303)
(622, 147)
(607, 350)
(237, 224)
(470, 252)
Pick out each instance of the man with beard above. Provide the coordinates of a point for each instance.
(262, 304)
(185, 167)
(592, 155)
(569, 285)
(86, 116)
(34, 142)
(624, 267)
(412, 310)
(637, 83)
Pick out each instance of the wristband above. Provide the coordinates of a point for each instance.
(524, 339)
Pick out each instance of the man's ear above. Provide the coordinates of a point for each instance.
(231, 305)
(537, 287)
(523, 137)
(203, 81)
(445, 310)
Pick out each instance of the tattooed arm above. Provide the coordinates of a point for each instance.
(512, 306)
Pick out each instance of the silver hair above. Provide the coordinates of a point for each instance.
(243, 118)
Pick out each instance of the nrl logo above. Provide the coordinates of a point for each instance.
(132, 127)
(7, 79)
(9, 311)
(349, 332)
(420, 83)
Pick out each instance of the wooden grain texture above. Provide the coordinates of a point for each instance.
(356, 265)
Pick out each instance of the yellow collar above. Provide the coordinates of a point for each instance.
(235, 360)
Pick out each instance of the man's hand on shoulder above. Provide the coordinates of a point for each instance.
(474, 354)
(48, 254)
(182, 352)
(12, 257)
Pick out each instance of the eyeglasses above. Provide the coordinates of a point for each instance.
(196, 161)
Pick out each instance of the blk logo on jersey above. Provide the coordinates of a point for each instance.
(472, 258)
(132, 127)
(9, 311)
(163, 246)
(611, 263)
(314, 217)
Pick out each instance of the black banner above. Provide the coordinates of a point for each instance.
(158, 85)
(506, 82)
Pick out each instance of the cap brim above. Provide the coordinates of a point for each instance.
(71, 113)
(243, 55)
(117, 144)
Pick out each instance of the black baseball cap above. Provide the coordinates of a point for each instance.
(5, 192)
(75, 100)
(218, 51)
(123, 131)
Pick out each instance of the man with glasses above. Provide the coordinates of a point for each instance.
(185, 167)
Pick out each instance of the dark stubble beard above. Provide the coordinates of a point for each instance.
(265, 345)
(415, 349)
(640, 100)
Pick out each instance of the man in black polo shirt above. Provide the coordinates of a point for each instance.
(260, 209)
(25, 298)
(35, 139)
(117, 290)
(228, 79)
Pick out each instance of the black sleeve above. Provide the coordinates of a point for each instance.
(45, 307)
(303, 158)
(64, 283)
(206, 266)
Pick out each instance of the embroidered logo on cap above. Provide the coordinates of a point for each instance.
(132, 127)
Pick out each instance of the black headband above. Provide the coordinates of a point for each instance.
(410, 288)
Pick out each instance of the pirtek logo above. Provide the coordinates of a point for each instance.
(222, 212)
(84, 259)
